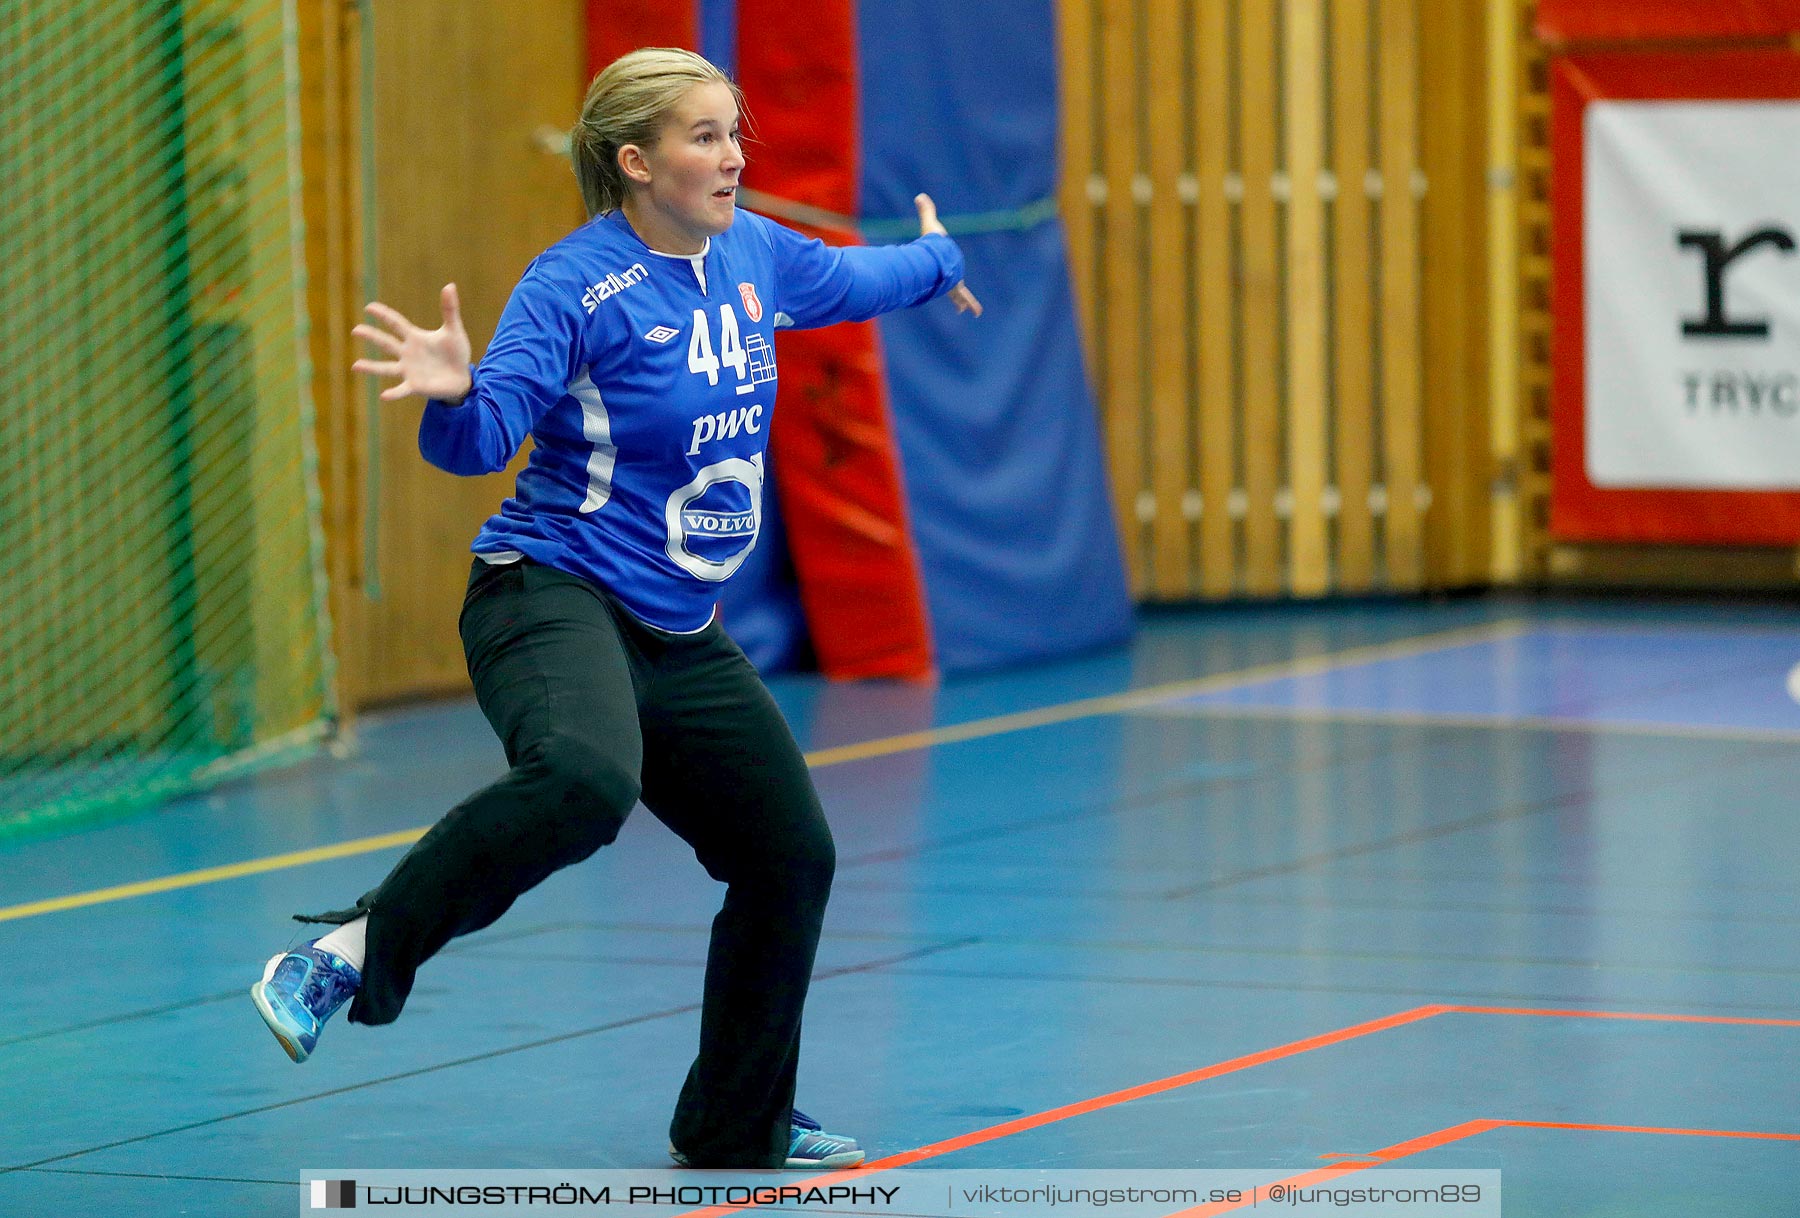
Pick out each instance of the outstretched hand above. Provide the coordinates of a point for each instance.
(429, 363)
(960, 296)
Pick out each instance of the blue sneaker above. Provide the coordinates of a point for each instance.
(811, 1146)
(808, 1147)
(299, 991)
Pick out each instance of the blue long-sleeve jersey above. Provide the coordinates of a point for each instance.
(647, 382)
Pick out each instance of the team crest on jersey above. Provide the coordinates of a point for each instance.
(752, 305)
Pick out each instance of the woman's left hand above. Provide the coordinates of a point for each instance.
(960, 296)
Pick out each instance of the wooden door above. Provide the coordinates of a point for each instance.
(464, 192)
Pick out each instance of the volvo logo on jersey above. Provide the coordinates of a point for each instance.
(713, 521)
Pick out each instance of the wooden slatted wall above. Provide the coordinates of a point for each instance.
(1244, 187)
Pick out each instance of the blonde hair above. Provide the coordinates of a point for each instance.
(627, 103)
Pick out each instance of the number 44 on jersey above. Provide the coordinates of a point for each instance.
(752, 361)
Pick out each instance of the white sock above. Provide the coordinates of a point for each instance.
(347, 942)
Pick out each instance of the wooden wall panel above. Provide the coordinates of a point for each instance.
(1215, 294)
(329, 44)
(1123, 260)
(1171, 438)
(1400, 355)
(1080, 153)
(463, 190)
(1259, 313)
(1527, 440)
(1315, 423)
(1454, 297)
(1352, 298)
(1306, 296)
(1505, 376)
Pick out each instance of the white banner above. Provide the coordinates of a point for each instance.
(1691, 214)
(1323, 1191)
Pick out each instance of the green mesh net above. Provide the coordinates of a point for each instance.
(163, 577)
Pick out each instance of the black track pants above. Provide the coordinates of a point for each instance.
(597, 710)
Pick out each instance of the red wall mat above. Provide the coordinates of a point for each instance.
(1665, 20)
(832, 450)
(618, 26)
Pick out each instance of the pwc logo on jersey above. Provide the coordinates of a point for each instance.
(710, 427)
(614, 283)
(713, 521)
(752, 305)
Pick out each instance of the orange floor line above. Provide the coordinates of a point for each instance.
(1648, 1016)
(1377, 1158)
(1443, 1137)
(1019, 1125)
(1399, 1150)
(1686, 1133)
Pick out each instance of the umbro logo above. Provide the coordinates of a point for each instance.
(661, 334)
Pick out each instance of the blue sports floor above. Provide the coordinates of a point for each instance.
(1486, 884)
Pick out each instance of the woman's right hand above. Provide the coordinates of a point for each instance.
(960, 296)
(429, 363)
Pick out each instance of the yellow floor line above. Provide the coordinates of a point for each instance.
(1138, 699)
(210, 875)
(1548, 723)
(996, 725)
